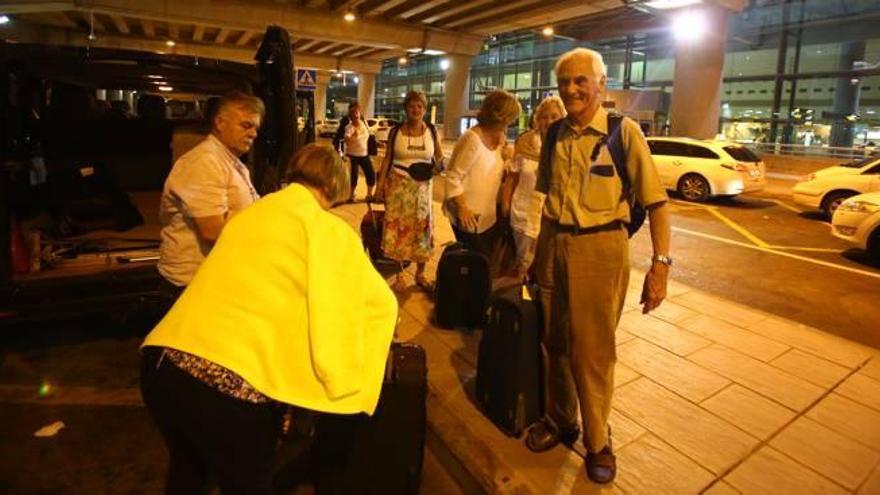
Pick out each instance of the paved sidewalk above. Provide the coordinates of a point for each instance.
(711, 397)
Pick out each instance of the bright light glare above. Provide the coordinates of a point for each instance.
(4, 19)
(170, 43)
(671, 4)
(356, 79)
(689, 26)
(402, 60)
(349, 17)
(166, 88)
(444, 64)
(547, 31)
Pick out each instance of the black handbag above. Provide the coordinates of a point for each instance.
(419, 171)
(372, 146)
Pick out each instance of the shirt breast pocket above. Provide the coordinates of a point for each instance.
(600, 190)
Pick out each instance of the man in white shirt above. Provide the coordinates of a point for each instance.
(206, 187)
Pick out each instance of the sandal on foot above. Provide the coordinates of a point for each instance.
(423, 284)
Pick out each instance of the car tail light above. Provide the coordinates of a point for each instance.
(736, 166)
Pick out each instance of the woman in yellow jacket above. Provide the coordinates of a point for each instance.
(288, 309)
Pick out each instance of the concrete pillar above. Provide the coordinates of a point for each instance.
(457, 91)
(696, 90)
(846, 95)
(367, 93)
(321, 96)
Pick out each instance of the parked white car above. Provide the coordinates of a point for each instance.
(698, 169)
(826, 189)
(857, 220)
(327, 128)
(380, 126)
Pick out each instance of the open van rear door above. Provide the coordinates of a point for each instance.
(276, 142)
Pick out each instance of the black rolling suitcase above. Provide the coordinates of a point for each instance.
(509, 385)
(462, 287)
(381, 454)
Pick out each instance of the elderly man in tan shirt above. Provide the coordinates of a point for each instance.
(206, 187)
(583, 259)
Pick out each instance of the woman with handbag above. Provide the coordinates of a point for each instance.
(473, 177)
(413, 153)
(286, 310)
(524, 205)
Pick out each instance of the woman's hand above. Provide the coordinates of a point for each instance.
(467, 221)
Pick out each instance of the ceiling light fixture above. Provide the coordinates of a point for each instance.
(689, 26)
(444, 64)
(166, 88)
(4, 19)
(671, 4)
(349, 16)
(170, 43)
(402, 60)
(548, 31)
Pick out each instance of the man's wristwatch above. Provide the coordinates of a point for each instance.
(662, 258)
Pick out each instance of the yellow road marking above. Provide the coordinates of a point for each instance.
(809, 249)
(737, 227)
(779, 253)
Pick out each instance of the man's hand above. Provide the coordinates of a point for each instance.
(654, 290)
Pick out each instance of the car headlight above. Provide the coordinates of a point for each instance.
(860, 206)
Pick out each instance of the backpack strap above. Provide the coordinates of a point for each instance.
(548, 148)
(615, 149)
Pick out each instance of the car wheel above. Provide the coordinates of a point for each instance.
(874, 245)
(832, 201)
(693, 187)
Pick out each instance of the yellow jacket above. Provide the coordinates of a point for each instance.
(288, 300)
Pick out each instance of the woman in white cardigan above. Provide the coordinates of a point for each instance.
(475, 170)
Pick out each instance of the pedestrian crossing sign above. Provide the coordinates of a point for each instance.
(306, 79)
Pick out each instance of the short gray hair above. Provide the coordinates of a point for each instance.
(593, 56)
(239, 99)
(319, 166)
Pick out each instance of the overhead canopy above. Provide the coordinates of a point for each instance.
(321, 38)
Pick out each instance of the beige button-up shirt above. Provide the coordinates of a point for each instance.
(586, 194)
(206, 181)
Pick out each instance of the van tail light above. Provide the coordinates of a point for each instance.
(736, 167)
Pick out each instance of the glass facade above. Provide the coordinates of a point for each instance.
(795, 72)
(419, 73)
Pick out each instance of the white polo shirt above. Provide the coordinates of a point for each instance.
(208, 180)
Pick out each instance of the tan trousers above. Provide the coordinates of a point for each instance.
(583, 281)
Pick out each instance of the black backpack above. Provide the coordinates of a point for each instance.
(614, 141)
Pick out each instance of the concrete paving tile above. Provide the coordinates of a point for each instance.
(624, 430)
(827, 452)
(811, 368)
(758, 376)
(872, 369)
(872, 486)
(622, 336)
(674, 288)
(736, 314)
(850, 418)
(672, 312)
(623, 374)
(673, 372)
(772, 473)
(690, 429)
(862, 389)
(661, 333)
(824, 345)
(721, 488)
(735, 337)
(750, 411)
(649, 465)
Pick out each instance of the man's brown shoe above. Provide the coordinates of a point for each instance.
(602, 465)
(543, 436)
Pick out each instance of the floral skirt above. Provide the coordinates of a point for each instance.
(409, 220)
